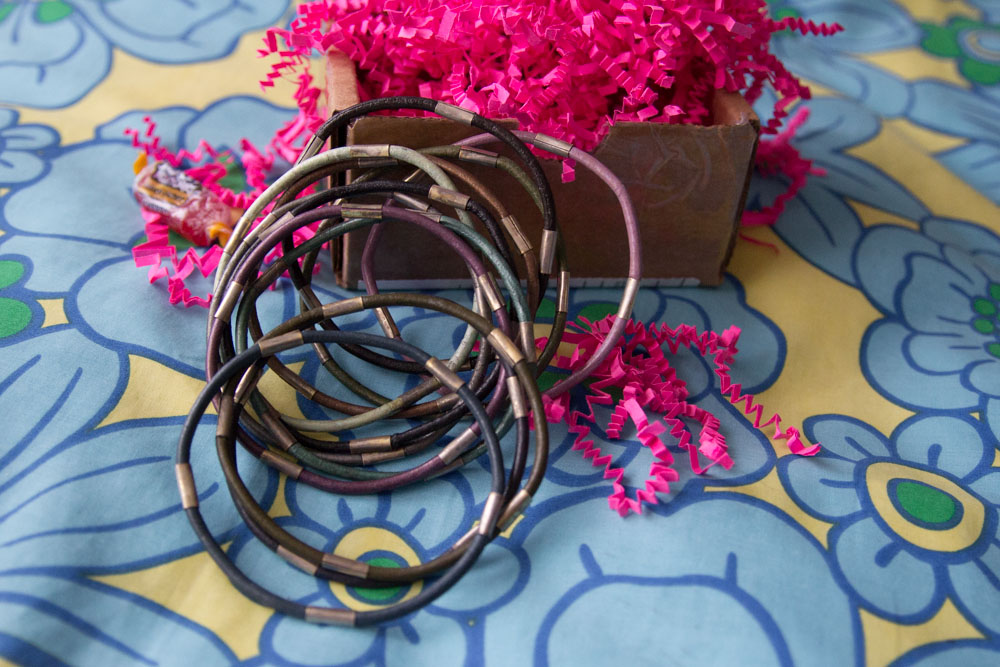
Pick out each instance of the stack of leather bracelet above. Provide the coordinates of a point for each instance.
(480, 396)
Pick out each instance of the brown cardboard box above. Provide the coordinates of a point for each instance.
(688, 184)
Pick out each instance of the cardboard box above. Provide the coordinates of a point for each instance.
(688, 184)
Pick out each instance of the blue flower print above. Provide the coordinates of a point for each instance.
(54, 52)
(837, 62)
(21, 149)
(59, 380)
(50, 610)
(830, 61)
(83, 254)
(405, 527)
(697, 588)
(914, 514)
(819, 223)
(938, 344)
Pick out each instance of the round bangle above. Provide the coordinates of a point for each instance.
(440, 228)
(399, 440)
(237, 244)
(188, 489)
(488, 158)
(510, 223)
(567, 150)
(523, 392)
(339, 121)
(249, 268)
(312, 301)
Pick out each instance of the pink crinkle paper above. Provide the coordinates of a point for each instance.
(568, 68)
(206, 165)
(655, 400)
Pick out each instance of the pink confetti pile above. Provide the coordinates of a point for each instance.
(641, 371)
(568, 68)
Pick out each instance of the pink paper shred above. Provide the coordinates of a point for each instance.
(568, 68)
(778, 156)
(207, 165)
(640, 369)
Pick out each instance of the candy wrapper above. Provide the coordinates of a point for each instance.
(181, 202)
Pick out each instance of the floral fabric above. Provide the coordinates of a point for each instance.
(870, 315)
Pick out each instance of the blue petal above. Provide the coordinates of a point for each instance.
(988, 485)
(57, 263)
(867, 26)
(950, 444)
(439, 641)
(51, 386)
(19, 166)
(890, 371)
(991, 13)
(694, 369)
(258, 122)
(823, 486)
(761, 343)
(977, 163)
(168, 121)
(881, 91)
(44, 524)
(436, 513)
(953, 111)
(445, 511)
(102, 176)
(327, 510)
(985, 377)
(975, 263)
(938, 298)
(774, 572)
(289, 640)
(85, 622)
(108, 300)
(885, 576)
(577, 637)
(881, 261)
(846, 437)
(425, 331)
(836, 125)
(964, 235)
(180, 31)
(820, 226)
(977, 587)
(945, 353)
(495, 578)
(49, 65)
(750, 449)
(272, 571)
(29, 137)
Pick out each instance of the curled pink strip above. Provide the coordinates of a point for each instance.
(649, 385)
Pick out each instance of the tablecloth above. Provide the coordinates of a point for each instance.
(869, 318)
